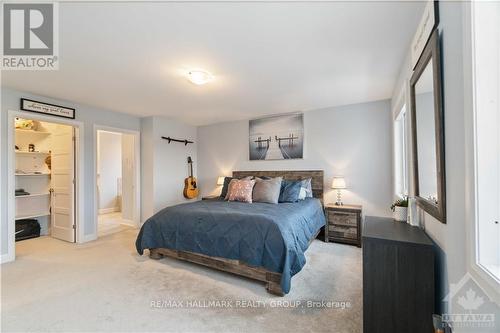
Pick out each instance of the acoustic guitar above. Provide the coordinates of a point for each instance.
(190, 188)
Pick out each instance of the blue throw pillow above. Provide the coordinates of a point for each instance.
(290, 191)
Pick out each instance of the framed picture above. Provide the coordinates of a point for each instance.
(46, 108)
(278, 137)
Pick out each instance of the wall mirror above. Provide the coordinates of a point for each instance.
(427, 117)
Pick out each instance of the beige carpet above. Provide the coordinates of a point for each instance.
(104, 286)
(110, 224)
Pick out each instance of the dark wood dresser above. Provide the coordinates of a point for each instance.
(398, 277)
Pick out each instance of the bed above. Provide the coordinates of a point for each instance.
(264, 242)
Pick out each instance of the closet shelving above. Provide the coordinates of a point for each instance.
(31, 195)
(32, 152)
(33, 175)
(32, 132)
(42, 214)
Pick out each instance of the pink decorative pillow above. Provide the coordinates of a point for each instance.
(241, 190)
(231, 183)
(229, 188)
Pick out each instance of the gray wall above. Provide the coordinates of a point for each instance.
(164, 165)
(457, 93)
(110, 168)
(147, 168)
(86, 114)
(451, 236)
(353, 141)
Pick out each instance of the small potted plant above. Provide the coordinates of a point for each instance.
(400, 209)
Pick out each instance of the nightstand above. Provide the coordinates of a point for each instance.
(211, 197)
(343, 224)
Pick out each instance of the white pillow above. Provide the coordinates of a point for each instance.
(306, 189)
(302, 193)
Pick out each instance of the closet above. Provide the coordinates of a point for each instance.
(44, 180)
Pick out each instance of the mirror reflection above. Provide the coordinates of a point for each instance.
(426, 135)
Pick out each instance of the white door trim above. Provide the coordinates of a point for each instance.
(137, 152)
(11, 180)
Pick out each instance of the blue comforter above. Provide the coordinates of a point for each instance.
(273, 236)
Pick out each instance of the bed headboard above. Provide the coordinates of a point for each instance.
(316, 175)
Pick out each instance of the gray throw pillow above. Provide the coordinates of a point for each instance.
(267, 190)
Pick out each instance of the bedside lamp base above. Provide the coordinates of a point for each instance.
(339, 198)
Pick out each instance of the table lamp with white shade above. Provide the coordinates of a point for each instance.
(339, 184)
(220, 180)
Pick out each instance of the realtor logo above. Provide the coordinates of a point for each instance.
(29, 36)
(470, 309)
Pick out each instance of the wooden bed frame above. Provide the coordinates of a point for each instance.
(272, 279)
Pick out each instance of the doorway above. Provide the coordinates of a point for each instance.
(117, 174)
(45, 180)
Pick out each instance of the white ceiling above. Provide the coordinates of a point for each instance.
(267, 58)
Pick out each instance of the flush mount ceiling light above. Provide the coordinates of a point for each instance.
(199, 77)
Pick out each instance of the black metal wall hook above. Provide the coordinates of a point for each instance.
(169, 139)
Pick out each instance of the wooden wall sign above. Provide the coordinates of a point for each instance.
(46, 108)
(429, 20)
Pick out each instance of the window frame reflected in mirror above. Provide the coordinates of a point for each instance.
(430, 55)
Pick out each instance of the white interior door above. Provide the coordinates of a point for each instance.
(128, 178)
(63, 188)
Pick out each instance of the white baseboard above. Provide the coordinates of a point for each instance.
(88, 238)
(5, 258)
(109, 210)
(129, 223)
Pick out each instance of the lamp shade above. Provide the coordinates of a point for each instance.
(220, 180)
(338, 183)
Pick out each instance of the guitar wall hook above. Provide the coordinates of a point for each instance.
(169, 140)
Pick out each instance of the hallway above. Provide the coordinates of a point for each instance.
(111, 223)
